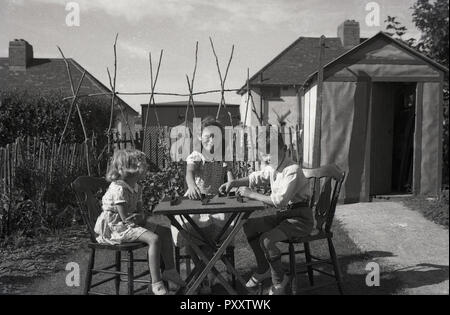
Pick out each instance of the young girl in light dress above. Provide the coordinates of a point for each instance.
(204, 176)
(123, 219)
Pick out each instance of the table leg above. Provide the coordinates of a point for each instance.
(204, 259)
(242, 217)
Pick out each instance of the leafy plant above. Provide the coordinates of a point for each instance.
(431, 18)
(167, 181)
(44, 116)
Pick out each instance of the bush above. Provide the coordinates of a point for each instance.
(445, 145)
(161, 183)
(38, 201)
(24, 114)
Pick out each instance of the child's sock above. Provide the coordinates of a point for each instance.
(283, 282)
(159, 288)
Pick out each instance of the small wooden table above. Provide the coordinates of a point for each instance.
(240, 212)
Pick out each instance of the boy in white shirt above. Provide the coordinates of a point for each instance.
(289, 193)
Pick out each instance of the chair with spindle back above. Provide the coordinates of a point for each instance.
(327, 180)
(86, 189)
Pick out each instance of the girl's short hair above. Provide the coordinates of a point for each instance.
(124, 163)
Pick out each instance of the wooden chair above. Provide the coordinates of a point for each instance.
(326, 180)
(86, 189)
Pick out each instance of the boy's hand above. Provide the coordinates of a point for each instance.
(194, 193)
(225, 188)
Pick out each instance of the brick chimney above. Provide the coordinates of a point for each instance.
(349, 34)
(20, 54)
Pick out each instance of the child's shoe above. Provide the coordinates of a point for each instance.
(173, 276)
(159, 288)
(205, 287)
(257, 279)
(279, 289)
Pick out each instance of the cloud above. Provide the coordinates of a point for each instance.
(133, 50)
(202, 14)
(134, 10)
(232, 15)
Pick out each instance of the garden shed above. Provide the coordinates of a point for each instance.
(377, 111)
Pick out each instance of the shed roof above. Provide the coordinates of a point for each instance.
(386, 36)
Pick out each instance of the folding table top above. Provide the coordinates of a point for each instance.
(215, 205)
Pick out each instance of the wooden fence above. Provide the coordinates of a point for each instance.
(33, 153)
(154, 141)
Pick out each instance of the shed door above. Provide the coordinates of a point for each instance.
(382, 122)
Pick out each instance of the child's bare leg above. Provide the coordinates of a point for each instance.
(268, 243)
(165, 236)
(153, 242)
(167, 254)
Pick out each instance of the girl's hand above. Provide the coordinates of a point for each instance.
(193, 192)
(225, 188)
(136, 218)
(244, 191)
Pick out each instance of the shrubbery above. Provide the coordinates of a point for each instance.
(39, 202)
(24, 114)
(35, 205)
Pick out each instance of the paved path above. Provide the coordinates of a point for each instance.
(416, 250)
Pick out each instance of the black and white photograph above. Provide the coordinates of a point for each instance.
(222, 152)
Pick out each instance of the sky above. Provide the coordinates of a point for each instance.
(259, 30)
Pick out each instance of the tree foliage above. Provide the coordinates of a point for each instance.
(26, 114)
(432, 19)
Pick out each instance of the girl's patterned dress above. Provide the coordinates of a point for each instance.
(109, 226)
(208, 176)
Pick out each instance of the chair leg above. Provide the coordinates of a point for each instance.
(308, 260)
(337, 271)
(130, 272)
(118, 268)
(177, 258)
(87, 285)
(292, 268)
(188, 266)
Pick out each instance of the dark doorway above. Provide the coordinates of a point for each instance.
(392, 136)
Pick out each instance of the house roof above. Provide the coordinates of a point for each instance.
(185, 103)
(45, 75)
(370, 40)
(295, 63)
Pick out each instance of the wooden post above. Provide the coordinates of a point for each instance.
(318, 120)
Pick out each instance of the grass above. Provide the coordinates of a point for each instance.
(435, 210)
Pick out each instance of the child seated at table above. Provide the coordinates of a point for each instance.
(123, 219)
(204, 177)
(289, 192)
